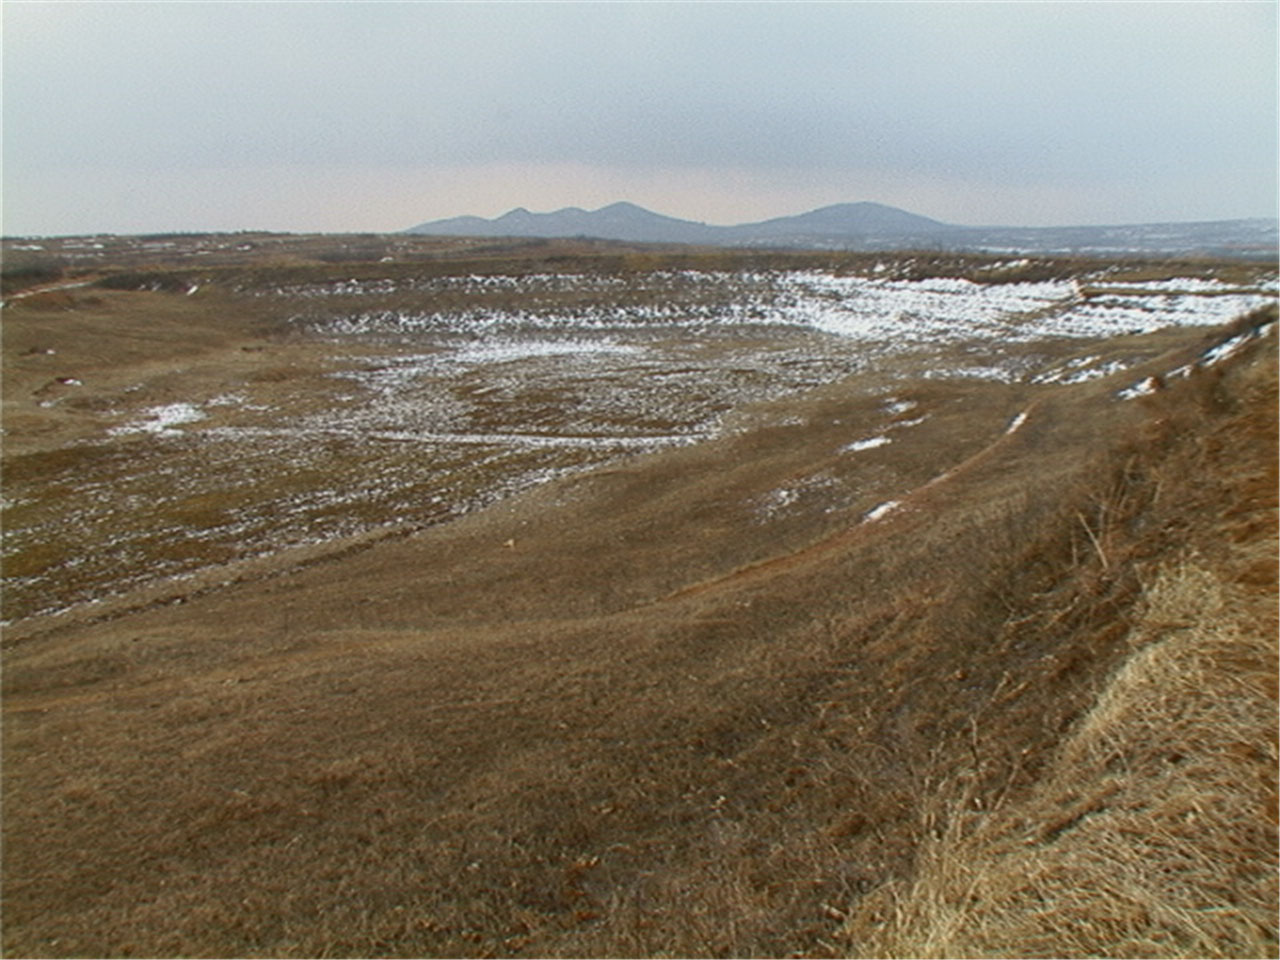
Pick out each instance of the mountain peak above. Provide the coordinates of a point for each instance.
(864, 225)
(628, 221)
(617, 221)
(860, 218)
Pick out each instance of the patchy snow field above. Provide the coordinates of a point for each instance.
(861, 309)
(441, 394)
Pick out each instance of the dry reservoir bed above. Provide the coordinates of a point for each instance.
(395, 402)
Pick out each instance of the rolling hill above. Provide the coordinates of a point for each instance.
(873, 226)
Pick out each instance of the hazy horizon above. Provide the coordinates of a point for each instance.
(373, 117)
(590, 209)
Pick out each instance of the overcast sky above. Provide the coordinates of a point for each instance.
(134, 117)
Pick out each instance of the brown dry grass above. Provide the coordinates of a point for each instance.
(1152, 831)
(448, 746)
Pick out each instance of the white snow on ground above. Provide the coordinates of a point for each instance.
(947, 310)
(228, 400)
(1080, 370)
(502, 351)
(1178, 285)
(161, 420)
(1016, 422)
(907, 310)
(1225, 349)
(998, 374)
(399, 372)
(599, 367)
(1111, 314)
(902, 314)
(883, 510)
(495, 283)
(780, 499)
(869, 444)
(1140, 389)
(1209, 358)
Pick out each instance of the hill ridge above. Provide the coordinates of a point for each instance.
(868, 225)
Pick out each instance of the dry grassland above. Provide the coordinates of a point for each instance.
(1031, 712)
(1152, 831)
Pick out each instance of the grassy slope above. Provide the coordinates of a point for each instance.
(450, 746)
(1152, 830)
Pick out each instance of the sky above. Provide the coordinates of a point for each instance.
(130, 117)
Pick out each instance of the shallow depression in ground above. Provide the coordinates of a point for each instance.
(441, 395)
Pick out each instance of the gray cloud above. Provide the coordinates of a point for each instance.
(1038, 95)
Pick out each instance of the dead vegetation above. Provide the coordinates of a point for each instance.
(1152, 832)
(1030, 712)
(1152, 829)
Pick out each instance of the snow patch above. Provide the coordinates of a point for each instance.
(161, 420)
(1080, 370)
(503, 351)
(869, 444)
(1224, 350)
(881, 511)
(899, 314)
(1175, 285)
(1140, 389)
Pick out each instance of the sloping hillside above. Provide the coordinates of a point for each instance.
(1151, 830)
(1017, 696)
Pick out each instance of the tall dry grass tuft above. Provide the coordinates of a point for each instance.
(1154, 831)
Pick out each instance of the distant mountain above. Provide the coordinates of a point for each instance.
(618, 221)
(873, 226)
(849, 219)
